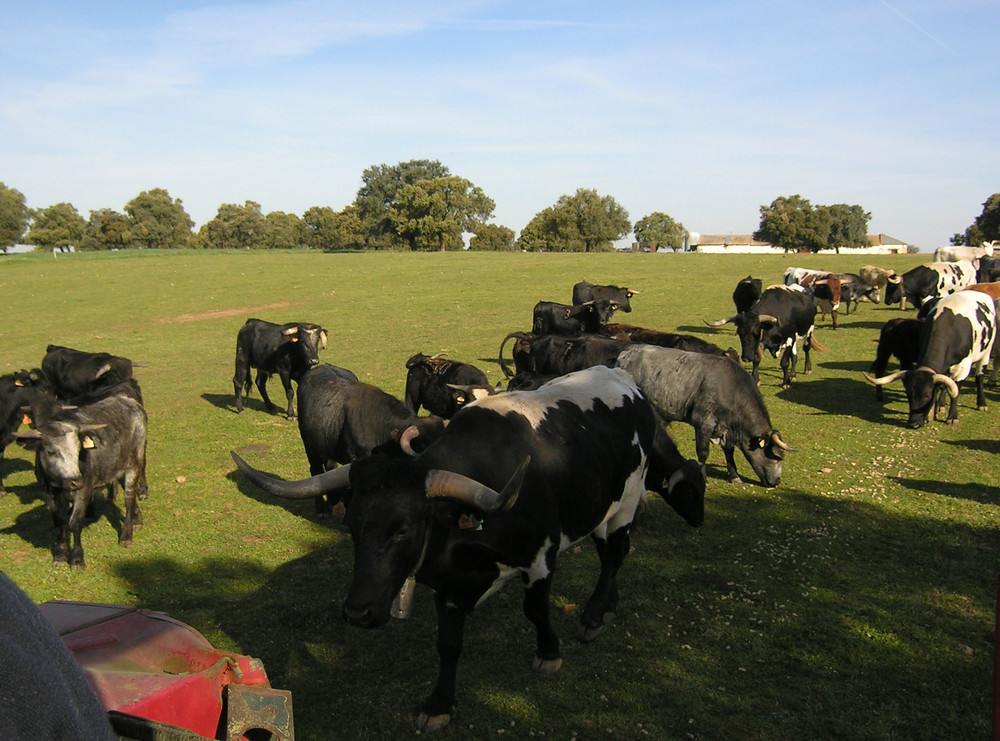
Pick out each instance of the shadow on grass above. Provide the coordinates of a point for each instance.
(986, 446)
(971, 492)
(841, 605)
(227, 402)
(840, 396)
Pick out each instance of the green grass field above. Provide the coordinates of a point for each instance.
(856, 600)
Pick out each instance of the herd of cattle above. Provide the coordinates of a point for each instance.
(494, 483)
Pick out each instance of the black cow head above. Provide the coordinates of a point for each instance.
(765, 456)
(920, 384)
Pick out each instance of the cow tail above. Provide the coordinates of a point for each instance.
(815, 345)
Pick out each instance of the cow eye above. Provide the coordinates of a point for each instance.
(401, 535)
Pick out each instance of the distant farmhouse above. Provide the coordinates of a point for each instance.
(740, 244)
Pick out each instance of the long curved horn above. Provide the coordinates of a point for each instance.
(449, 485)
(309, 488)
(776, 439)
(406, 440)
(949, 382)
(102, 370)
(720, 322)
(883, 380)
(894, 278)
(769, 318)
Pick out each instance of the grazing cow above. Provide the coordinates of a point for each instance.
(715, 396)
(956, 253)
(443, 386)
(540, 470)
(75, 372)
(620, 298)
(688, 342)
(929, 281)
(341, 420)
(875, 277)
(81, 448)
(900, 338)
(853, 290)
(552, 318)
(783, 316)
(795, 276)
(18, 390)
(956, 339)
(747, 293)
(286, 349)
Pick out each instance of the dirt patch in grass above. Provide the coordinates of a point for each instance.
(220, 313)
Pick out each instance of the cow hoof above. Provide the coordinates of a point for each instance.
(78, 566)
(735, 480)
(983, 408)
(951, 421)
(125, 543)
(432, 722)
(545, 666)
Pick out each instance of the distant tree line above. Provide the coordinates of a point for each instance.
(421, 206)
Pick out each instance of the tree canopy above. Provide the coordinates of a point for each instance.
(658, 230)
(433, 214)
(985, 228)
(14, 216)
(57, 227)
(791, 222)
(158, 220)
(583, 222)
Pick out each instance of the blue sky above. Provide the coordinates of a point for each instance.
(705, 111)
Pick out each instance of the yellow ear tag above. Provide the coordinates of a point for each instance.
(295, 339)
(19, 382)
(88, 443)
(26, 420)
(761, 443)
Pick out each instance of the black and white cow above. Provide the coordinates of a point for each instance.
(73, 373)
(341, 419)
(549, 317)
(716, 397)
(620, 298)
(82, 448)
(956, 340)
(929, 281)
(783, 316)
(956, 253)
(747, 293)
(899, 338)
(18, 390)
(442, 386)
(540, 470)
(286, 349)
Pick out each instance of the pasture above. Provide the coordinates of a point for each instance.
(856, 600)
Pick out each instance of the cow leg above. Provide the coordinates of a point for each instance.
(286, 382)
(980, 394)
(436, 711)
(261, 382)
(2, 490)
(133, 518)
(536, 608)
(60, 550)
(241, 379)
(734, 477)
(787, 364)
(74, 528)
(603, 603)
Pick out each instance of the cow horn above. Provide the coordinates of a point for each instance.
(720, 322)
(309, 488)
(406, 440)
(449, 485)
(27, 434)
(91, 428)
(949, 382)
(291, 331)
(883, 380)
(776, 439)
(769, 318)
(322, 339)
(893, 278)
(102, 370)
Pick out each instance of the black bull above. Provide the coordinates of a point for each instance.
(541, 470)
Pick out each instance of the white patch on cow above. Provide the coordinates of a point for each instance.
(506, 574)
(968, 304)
(478, 394)
(582, 388)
